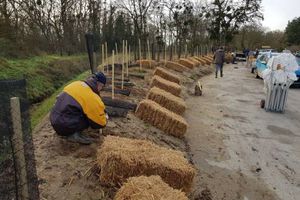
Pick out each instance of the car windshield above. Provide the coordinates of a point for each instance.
(266, 56)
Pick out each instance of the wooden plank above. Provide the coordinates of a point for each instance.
(118, 91)
(136, 75)
(126, 84)
(108, 79)
(116, 112)
(18, 145)
(108, 101)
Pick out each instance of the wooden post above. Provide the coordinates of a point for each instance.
(117, 52)
(126, 57)
(201, 50)
(175, 51)
(165, 54)
(129, 53)
(197, 53)
(102, 51)
(148, 47)
(123, 55)
(207, 50)
(95, 62)
(106, 58)
(18, 145)
(140, 54)
(185, 50)
(113, 75)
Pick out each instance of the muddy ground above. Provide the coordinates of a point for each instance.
(241, 152)
(68, 171)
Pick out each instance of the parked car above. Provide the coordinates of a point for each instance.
(261, 63)
(240, 56)
(297, 83)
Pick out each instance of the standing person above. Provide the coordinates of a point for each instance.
(78, 107)
(219, 58)
(256, 53)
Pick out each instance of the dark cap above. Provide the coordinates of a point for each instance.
(100, 77)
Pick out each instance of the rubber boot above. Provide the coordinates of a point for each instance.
(77, 137)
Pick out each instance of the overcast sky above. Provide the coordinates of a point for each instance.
(277, 13)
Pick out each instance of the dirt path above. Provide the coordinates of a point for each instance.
(243, 152)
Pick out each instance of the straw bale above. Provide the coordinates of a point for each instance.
(167, 100)
(202, 62)
(148, 188)
(196, 62)
(207, 60)
(166, 85)
(176, 66)
(166, 75)
(121, 158)
(187, 63)
(160, 117)
(147, 63)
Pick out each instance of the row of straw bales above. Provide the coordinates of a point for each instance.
(143, 169)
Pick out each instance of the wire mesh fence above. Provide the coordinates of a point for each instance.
(18, 178)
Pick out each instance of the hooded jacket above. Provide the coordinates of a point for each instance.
(77, 108)
(219, 57)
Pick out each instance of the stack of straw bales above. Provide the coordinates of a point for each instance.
(166, 85)
(187, 63)
(121, 158)
(176, 66)
(166, 75)
(150, 64)
(167, 100)
(207, 60)
(161, 118)
(196, 62)
(146, 188)
(202, 62)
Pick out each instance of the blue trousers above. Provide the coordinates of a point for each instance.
(219, 67)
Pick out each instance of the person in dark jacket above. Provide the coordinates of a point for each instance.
(219, 58)
(78, 107)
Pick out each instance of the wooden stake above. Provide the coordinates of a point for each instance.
(148, 46)
(165, 54)
(175, 51)
(126, 56)
(123, 55)
(201, 50)
(117, 52)
(102, 51)
(140, 54)
(185, 50)
(106, 58)
(113, 75)
(129, 53)
(18, 144)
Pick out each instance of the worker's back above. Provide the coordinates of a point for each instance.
(77, 108)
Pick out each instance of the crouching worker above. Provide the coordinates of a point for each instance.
(78, 107)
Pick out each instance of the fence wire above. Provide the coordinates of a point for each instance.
(18, 179)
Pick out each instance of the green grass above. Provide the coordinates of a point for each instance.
(43, 74)
(14, 68)
(38, 112)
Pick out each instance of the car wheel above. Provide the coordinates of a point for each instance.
(262, 103)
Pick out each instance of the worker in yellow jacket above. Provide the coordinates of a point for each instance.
(78, 107)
